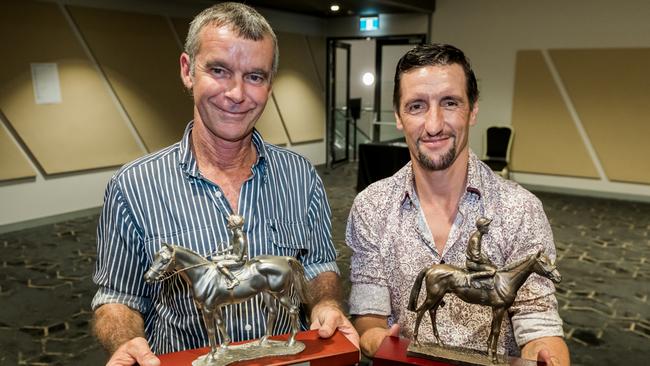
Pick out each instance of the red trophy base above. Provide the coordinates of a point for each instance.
(392, 352)
(334, 351)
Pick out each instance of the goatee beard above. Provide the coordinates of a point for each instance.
(442, 163)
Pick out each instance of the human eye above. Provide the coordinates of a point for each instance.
(256, 78)
(219, 71)
(450, 103)
(415, 107)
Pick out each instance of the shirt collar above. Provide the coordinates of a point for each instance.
(188, 161)
(473, 187)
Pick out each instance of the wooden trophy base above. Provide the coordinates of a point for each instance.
(392, 352)
(334, 351)
(395, 351)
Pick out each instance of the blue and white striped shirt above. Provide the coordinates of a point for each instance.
(163, 198)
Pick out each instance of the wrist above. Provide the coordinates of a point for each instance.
(326, 303)
(371, 339)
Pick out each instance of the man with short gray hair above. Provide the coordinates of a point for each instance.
(185, 193)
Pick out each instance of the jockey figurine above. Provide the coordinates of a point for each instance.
(239, 247)
(477, 262)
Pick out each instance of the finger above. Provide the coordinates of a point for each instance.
(141, 352)
(327, 328)
(545, 355)
(394, 331)
(315, 324)
(349, 332)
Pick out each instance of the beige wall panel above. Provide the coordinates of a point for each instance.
(270, 125)
(546, 140)
(297, 91)
(139, 55)
(13, 164)
(610, 89)
(85, 131)
(318, 47)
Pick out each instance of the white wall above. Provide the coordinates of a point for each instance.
(48, 196)
(490, 33)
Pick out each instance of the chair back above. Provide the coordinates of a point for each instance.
(498, 140)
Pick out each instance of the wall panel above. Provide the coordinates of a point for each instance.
(140, 59)
(546, 140)
(270, 124)
(13, 164)
(610, 89)
(85, 130)
(297, 90)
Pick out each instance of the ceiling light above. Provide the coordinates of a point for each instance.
(335, 7)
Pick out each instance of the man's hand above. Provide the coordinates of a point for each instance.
(373, 330)
(328, 317)
(551, 350)
(135, 351)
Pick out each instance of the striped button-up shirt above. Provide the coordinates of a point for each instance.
(163, 198)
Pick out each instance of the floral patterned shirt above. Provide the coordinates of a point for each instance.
(391, 243)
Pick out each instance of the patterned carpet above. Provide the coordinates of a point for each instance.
(603, 255)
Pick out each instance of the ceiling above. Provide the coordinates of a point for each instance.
(321, 8)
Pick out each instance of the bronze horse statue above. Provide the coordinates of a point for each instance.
(499, 291)
(273, 276)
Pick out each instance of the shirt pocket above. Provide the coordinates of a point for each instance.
(289, 238)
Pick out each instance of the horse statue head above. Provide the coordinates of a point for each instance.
(235, 221)
(162, 263)
(544, 267)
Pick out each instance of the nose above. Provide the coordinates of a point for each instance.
(235, 90)
(434, 122)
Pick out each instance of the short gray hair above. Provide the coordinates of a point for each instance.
(244, 20)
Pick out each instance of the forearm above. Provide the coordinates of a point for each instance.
(372, 331)
(116, 324)
(559, 352)
(325, 289)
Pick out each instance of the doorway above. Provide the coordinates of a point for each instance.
(360, 75)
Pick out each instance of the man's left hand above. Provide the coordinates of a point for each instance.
(552, 350)
(327, 317)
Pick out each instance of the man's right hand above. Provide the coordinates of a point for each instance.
(135, 351)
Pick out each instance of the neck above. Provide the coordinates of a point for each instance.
(521, 272)
(214, 153)
(442, 187)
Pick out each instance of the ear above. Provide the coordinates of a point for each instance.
(472, 114)
(186, 71)
(398, 120)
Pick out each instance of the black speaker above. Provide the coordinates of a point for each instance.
(355, 108)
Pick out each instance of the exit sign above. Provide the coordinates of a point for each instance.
(369, 23)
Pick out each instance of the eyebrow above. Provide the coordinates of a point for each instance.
(220, 63)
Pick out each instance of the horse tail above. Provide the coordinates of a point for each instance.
(299, 281)
(415, 291)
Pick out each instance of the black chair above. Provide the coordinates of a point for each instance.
(498, 140)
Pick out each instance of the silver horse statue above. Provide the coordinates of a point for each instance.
(499, 291)
(272, 276)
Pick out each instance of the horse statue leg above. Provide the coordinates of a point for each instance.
(208, 319)
(221, 325)
(495, 331)
(432, 313)
(287, 301)
(271, 316)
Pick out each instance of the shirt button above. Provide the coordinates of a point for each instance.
(218, 194)
(248, 327)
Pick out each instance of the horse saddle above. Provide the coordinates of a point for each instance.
(483, 283)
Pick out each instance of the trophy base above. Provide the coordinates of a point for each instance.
(249, 351)
(334, 351)
(463, 356)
